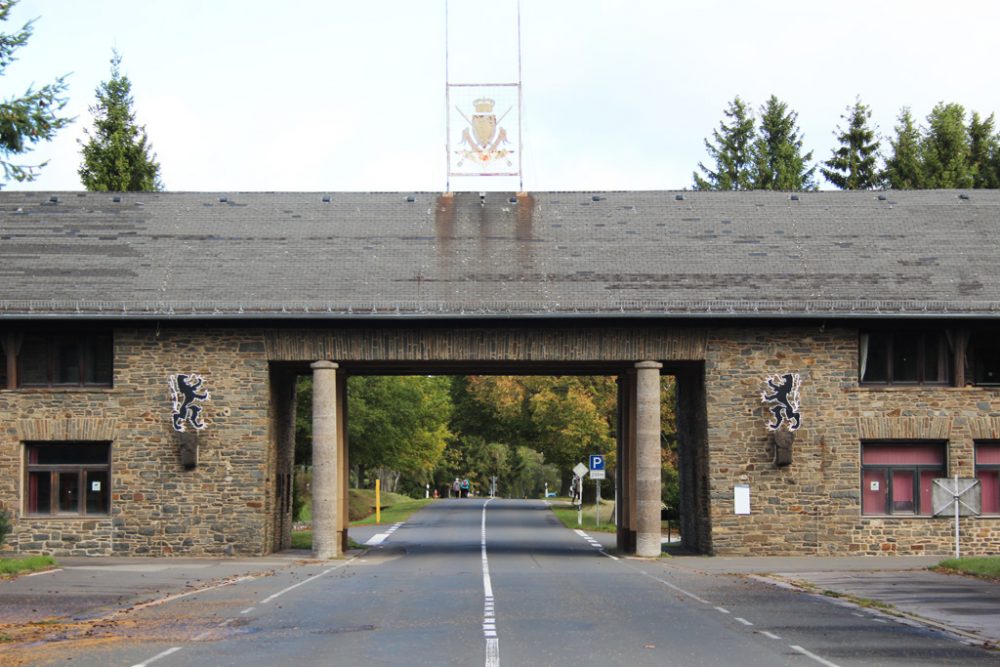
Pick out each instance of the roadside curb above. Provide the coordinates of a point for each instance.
(888, 612)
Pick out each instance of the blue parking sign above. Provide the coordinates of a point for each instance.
(597, 462)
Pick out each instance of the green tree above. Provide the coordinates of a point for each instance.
(778, 160)
(303, 420)
(984, 151)
(30, 118)
(945, 148)
(904, 169)
(398, 427)
(731, 151)
(530, 474)
(854, 166)
(116, 157)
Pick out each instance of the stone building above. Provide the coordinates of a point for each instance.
(834, 352)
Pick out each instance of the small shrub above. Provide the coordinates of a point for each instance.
(5, 526)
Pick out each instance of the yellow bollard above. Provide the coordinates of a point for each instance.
(378, 501)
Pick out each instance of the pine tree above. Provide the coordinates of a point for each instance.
(853, 166)
(904, 169)
(731, 151)
(116, 157)
(945, 148)
(778, 160)
(984, 151)
(28, 119)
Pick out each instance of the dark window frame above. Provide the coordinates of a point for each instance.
(86, 361)
(945, 359)
(56, 473)
(890, 468)
(978, 357)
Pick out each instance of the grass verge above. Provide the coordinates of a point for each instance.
(396, 512)
(395, 508)
(984, 567)
(303, 539)
(566, 512)
(360, 504)
(12, 566)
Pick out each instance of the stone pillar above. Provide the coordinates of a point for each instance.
(326, 469)
(648, 542)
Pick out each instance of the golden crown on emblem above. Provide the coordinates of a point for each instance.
(483, 105)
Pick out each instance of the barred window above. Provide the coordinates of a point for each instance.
(988, 474)
(984, 351)
(68, 478)
(905, 358)
(897, 478)
(49, 360)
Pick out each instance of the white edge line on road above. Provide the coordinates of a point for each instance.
(156, 657)
(594, 543)
(815, 657)
(171, 598)
(676, 588)
(35, 574)
(306, 581)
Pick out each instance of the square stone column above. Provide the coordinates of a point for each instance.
(326, 478)
(647, 459)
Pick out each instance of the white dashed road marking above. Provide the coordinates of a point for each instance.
(156, 657)
(489, 610)
(815, 657)
(379, 538)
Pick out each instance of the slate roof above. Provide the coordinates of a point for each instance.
(566, 254)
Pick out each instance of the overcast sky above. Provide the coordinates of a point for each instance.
(336, 95)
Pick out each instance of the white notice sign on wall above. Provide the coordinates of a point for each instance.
(741, 498)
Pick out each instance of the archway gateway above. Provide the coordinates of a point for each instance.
(638, 356)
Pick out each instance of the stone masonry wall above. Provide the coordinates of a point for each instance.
(813, 506)
(221, 507)
(226, 505)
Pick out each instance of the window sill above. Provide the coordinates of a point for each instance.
(58, 390)
(908, 387)
(64, 517)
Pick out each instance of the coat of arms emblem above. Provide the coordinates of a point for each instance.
(484, 140)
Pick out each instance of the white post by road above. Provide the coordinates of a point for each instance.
(956, 516)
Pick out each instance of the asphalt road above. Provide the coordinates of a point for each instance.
(471, 582)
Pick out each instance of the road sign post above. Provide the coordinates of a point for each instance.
(597, 474)
(579, 470)
(964, 495)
